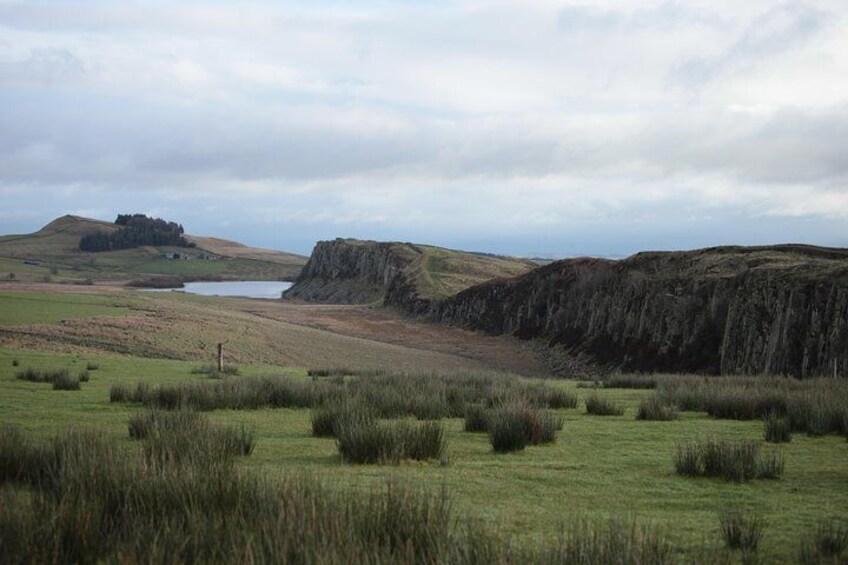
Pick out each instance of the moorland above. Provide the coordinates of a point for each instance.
(370, 432)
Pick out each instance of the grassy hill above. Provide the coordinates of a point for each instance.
(53, 252)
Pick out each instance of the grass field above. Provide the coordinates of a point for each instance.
(599, 465)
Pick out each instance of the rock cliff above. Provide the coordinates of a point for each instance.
(750, 310)
(402, 275)
(775, 310)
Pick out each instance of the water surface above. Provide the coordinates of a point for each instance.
(247, 289)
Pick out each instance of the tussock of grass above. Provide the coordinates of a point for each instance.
(741, 530)
(66, 381)
(735, 461)
(623, 380)
(91, 366)
(365, 440)
(476, 418)
(655, 408)
(777, 428)
(815, 406)
(84, 376)
(601, 406)
(616, 541)
(46, 376)
(424, 396)
(515, 426)
(827, 543)
(213, 372)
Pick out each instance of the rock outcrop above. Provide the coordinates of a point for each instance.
(401, 275)
(772, 310)
(725, 310)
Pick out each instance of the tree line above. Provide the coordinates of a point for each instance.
(136, 230)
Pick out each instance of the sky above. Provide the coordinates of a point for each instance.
(526, 127)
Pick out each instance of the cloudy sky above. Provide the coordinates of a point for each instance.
(516, 126)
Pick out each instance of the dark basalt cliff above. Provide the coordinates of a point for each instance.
(774, 310)
(348, 271)
(751, 310)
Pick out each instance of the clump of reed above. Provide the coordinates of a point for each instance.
(424, 396)
(655, 408)
(213, 372)
(235, 394)
(45, 376)
(366, 440)
(84, 376)
(476, 418)
(515, 425)
(182, 436)
(827, 543)
(330, 417)
(65, 381)
(624, 380)
(616, 541)
(599, 405)
(344, 372)
(741, 530)
(815, 406)
(735, 461)
(777, 428)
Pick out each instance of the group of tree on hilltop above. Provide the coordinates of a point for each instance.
(136, 230)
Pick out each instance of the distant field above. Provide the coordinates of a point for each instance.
(599, 466)
(43, 308)
(184, 326)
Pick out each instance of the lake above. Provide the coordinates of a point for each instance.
(246, 289)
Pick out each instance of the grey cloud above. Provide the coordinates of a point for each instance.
(45, 66)
(778, 30)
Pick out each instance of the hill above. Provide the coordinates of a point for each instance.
(396, 274)
(53, 252)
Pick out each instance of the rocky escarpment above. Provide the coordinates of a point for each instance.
(348, 271)
(775, 310)
(406, 276)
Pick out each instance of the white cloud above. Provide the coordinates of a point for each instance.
(457, 117)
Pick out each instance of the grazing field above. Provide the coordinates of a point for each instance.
(597, 467)
(183, 326)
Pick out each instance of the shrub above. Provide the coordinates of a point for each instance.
(741, 530)
(602, 406)
(777, 428)
(476, 418)
(654, 408)
(736, 461)
(91, 366)
(65, 381)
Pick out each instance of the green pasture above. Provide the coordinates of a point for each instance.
(599, 466)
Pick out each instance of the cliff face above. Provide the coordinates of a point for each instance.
(345, 271)
(778, 310)
(402, 275)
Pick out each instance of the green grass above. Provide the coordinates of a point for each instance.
(599, 466)
(52, 308)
